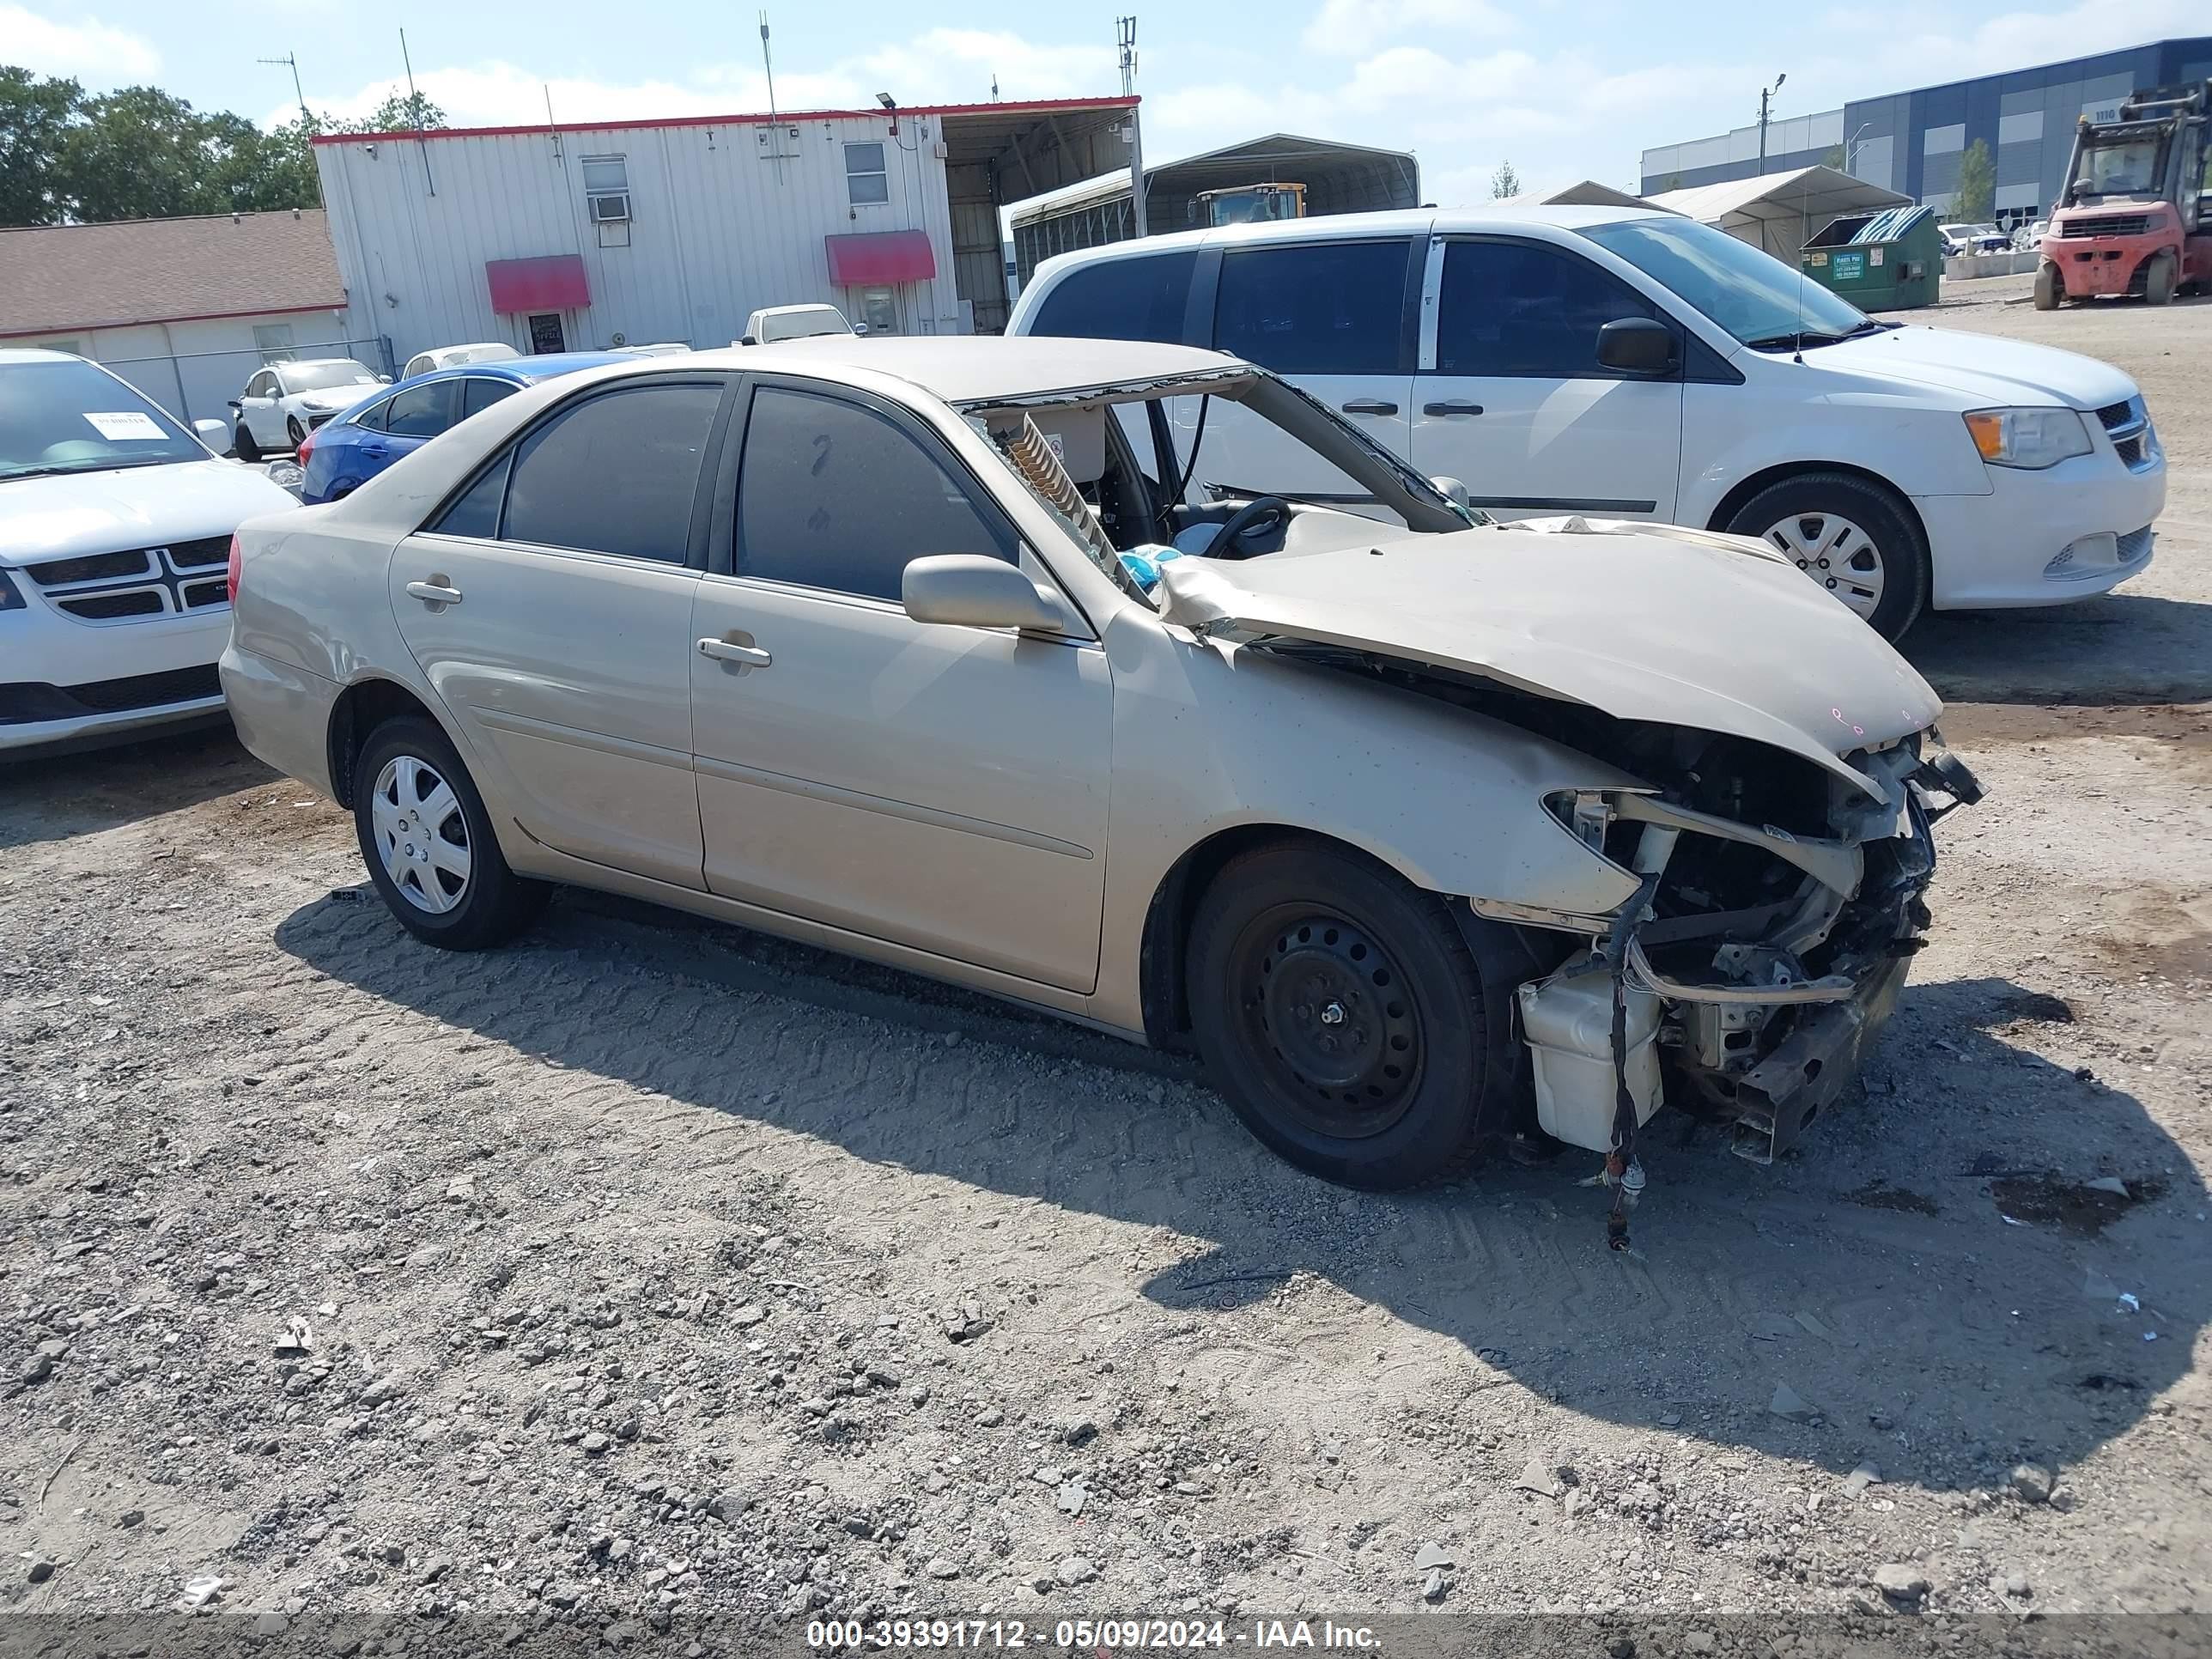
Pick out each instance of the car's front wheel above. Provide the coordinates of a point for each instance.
(429, 843)
(1342, 1015)
(1849, 536)
(295, 432)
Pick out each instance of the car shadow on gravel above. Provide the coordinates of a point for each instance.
(2120, 648)
(1867, 1299)
(53, 796)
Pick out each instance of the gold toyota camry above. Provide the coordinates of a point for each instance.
(952, 654)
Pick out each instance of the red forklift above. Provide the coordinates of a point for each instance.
(2135, 215)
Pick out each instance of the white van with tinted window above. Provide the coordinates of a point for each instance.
(1634, 364)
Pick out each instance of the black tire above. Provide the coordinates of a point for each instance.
(295, 432)
(1888, 527)
(242, 444)
(2160, 277)
(493, 903)
(1286, 934)
(2049, 290)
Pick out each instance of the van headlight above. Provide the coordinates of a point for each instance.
(2030, 438)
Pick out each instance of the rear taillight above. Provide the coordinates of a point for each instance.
(230, 581)
(308, 445)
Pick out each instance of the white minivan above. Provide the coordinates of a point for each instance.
(1628, 363)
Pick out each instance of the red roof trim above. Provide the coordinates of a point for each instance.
(190, 317)
(1041, 106)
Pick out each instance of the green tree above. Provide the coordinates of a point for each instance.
(1978, 183)
(140, 154)
(1504, 182)
(1832, 157)
(402, 112)
(34, 114)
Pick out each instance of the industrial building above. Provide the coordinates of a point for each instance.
(184, 309)
(1911, 141)
(570, 236)
(1338, 178)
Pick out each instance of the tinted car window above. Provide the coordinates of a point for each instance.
(421, 411)
(615, 473)
(476, 512)
(1121, 300)
(373, 417)
(1320, 309)
(481, 393)
(835, 495)
(1518, 309)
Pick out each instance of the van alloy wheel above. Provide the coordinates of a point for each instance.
(1834, 552)
(422, 835)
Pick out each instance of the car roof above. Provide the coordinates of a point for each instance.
(974, 369)
(37, 354)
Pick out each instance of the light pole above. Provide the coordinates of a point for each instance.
(1848, 144)
(1765, 93)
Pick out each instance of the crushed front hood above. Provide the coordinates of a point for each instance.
(1644, 622)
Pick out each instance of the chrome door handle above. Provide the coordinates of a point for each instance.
(751, 656)
(432, 593)
(1455, 407)
(1368, 406)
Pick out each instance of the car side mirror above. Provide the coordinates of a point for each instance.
(969, 590)
(749, 340)
(383, 380)
(1451, 490)
(213, 434)
(1636, 345)
(236, 403)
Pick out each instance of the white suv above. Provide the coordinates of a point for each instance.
(1633, 364)
(115, 528)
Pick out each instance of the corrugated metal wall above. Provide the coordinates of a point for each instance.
(723, 218)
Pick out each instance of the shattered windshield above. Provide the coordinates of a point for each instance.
(1218, 467)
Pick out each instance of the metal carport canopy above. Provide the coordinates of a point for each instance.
(1778, 212)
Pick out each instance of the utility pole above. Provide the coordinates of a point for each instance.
(1125, 37)
(414, 114)
(292, 63)
(1765, 94)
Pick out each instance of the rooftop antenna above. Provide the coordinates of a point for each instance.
(768, 67)
(1125, 36)
(552, 127)
(291, 62)
(414, 114)
(994, 86)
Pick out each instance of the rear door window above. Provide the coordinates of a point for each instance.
(481, 392)
(1325, 307)
(616, 472)
(421, 411)
(1138, 298)
(1524, 311)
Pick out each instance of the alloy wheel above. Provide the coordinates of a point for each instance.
(422, 834)
(1836, 553)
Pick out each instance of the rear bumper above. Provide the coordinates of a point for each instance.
(283, 714)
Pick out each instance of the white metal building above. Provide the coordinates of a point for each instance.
(583, 236)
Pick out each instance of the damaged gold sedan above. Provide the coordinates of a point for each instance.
(1424, 831)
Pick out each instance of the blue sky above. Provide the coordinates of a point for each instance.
(1563, 88)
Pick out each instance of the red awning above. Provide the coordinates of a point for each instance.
(555, 281)
(882, 256)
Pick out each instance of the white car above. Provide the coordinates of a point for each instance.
(1621, 363)
(453, 356)
(284, 402)
(115, 540)
(772, 323)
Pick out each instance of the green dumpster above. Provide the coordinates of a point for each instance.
(1888, 261)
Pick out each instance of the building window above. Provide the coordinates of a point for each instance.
(274, 341)
(865, 182)
(606, 189)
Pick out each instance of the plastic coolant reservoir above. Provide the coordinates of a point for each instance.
(1568, 1022)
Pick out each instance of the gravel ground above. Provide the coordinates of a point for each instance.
(649, 1270)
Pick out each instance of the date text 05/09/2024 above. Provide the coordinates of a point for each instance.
(1087, 1635)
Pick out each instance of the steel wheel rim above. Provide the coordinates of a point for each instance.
(1331, 1019)
(422, 835)
(1835, 552)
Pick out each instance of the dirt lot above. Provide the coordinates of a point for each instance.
(648, 1269)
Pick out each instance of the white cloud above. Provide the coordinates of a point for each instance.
(1350, 26)
(87, 50)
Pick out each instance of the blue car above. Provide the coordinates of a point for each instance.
(351, 448)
